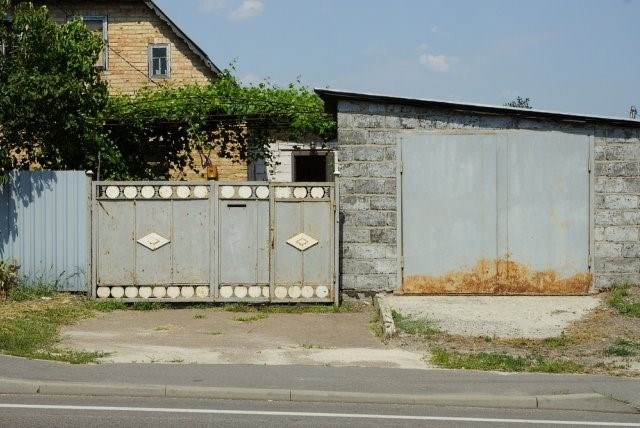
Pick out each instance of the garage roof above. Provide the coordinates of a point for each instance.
(331, 98)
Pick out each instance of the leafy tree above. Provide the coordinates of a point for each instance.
(519, 103)
(51, 95)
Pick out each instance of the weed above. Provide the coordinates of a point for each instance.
(374, 324)
(176, 360)
(421, 326)
(106, 305)
(31, 292)
(251, 318)
(214, 333)
(311, 346)
(149, 306)
(9, 278)
(619, 351)
(501, 362)
(199, 316)
(556, 342)
(292, 309)
(623, 347)
(622, 300)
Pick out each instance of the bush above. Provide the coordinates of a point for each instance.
(9, 278)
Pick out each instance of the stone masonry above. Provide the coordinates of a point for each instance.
(368, 134)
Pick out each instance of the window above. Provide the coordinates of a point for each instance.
(312, 165)
(98, 26)
(159, 60)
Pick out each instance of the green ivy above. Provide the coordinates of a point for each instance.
(161, 128)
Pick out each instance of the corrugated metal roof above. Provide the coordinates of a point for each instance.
(331, 98)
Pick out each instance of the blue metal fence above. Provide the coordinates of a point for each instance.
(44, 226)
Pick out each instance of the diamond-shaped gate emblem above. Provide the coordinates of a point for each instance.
(302, 241)
(153, 241)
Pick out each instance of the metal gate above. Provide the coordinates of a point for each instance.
(194, 241)
(496, 213)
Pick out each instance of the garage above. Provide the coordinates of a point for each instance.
(441, 197)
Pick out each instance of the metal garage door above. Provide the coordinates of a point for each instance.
(500, 213)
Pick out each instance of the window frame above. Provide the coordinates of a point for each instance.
(105, 36)
(150, 48)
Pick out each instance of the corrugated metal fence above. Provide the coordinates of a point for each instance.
(44, 226)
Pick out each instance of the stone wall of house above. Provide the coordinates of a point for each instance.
(368, 134)
(132, 26)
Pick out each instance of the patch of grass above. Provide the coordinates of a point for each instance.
(150, 306)
(251, 318)
(622, 300)
(30, 292)
(107, 305)
(501, 362)
(623, 347)
(215, 333)
(556, 342)
(420, 326)
(374, 325)
(33, 332)
(199, 316)
(345, 307)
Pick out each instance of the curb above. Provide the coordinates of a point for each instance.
(591, 402)
(386, 318)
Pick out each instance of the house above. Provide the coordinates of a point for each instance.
(439, 197)
(145, 48)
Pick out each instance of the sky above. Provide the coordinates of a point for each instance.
(576, 56)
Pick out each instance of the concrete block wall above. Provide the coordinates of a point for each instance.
(617, 206)
(368, 134)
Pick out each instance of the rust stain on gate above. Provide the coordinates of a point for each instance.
(498, 276)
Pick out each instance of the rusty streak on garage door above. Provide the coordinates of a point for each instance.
(498, 277)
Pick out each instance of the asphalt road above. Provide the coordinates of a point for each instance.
(52, 411)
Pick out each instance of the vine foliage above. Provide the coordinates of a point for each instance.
(164, 129)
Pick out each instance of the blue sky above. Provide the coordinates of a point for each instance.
(579, 56)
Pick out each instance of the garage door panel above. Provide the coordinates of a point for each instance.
(500, 214)
(449, 210)
(548, 210)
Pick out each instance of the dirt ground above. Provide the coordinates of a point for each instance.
(213, 335)
(586, 340)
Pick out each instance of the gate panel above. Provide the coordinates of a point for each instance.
(115, 243)
(153, 266)
(244, 238)
(191, 242)
(304, 243)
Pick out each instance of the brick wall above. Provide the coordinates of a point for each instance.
(132, 26)
(368, 134)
